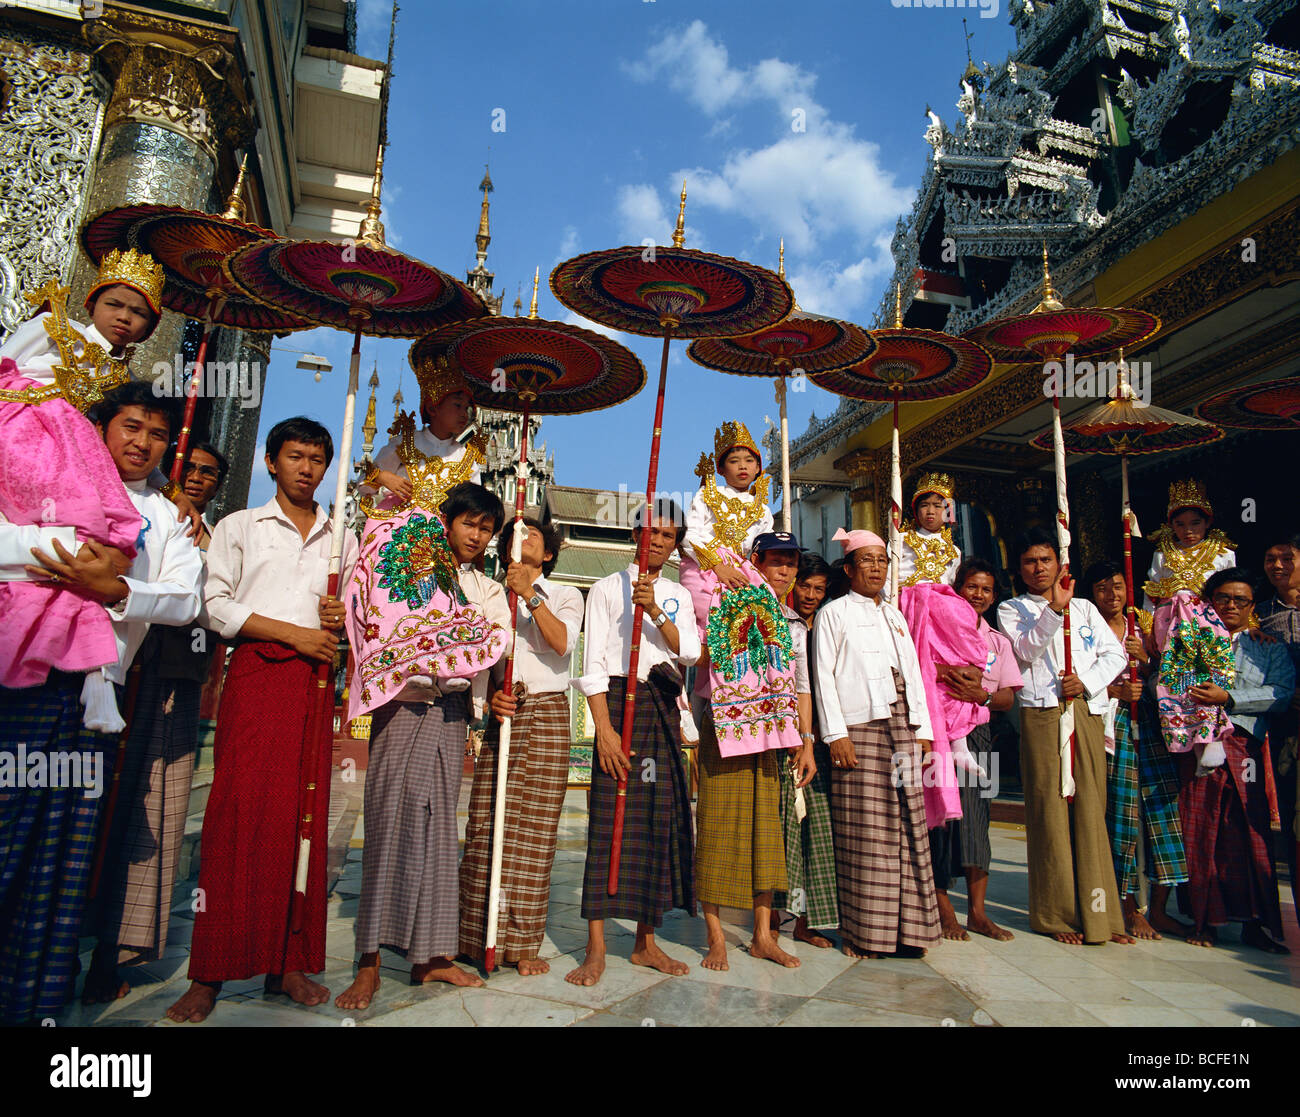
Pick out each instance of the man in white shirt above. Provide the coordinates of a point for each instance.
(655, 868)
(52, 767)
(1072, 892)
(872, 711)
(267, 585)
(550, 619)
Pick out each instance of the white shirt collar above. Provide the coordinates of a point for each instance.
(271, 510)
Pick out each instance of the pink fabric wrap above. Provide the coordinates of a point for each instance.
(945, 629)
(1194, 647)
(750, 682)
(851, 540)
(56, 470)
(406, 614)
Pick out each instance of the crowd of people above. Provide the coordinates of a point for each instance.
(840, 714)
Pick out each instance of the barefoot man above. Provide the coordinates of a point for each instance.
(874, 717)
(740, 851)
(267, 578)
(1072, 893)
(658, 855)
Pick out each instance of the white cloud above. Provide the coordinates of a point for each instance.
(642, 215)
(843, 291)
(373, 18)
(573, 318)
(568, 243)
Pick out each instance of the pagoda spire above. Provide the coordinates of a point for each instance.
(479, 278)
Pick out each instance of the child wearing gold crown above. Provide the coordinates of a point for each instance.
(1190, 638)
(59, 487)
(750, 678)
(413, 631)
(945, 630)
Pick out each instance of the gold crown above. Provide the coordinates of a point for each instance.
(138, 270)
(438, 378)
(939, 483)
(728, 437)
(1188, 494)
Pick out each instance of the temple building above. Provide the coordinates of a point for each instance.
(1150, 145)
(159, 102)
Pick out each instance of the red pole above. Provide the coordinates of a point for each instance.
(192, 394)
(634, 657)
(1131, 612)
(503, 747)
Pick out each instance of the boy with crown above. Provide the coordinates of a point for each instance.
(1187, 633)
(950, 649)
(55, 470)
(420, 642)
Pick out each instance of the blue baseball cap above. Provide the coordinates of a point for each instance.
(775, 541)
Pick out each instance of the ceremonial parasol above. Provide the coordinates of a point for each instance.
(665, 292)
(812, 342)
(368, 288)
(908, 364)
(191, 247)
(534, 367)
(1124, 425)
(1273, 405)
(1047, 333)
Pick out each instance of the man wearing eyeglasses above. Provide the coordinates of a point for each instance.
(131, 911)
(1225, 811)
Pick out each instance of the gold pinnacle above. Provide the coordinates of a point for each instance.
(235, 205)
(898, 306)
(372, 230)
(1050, 301)
(532, 307)
(679, 234)
(780, 260)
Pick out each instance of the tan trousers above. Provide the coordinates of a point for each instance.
(1071, 872)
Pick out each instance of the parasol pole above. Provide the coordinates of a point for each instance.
(785, 454)
(507, 684)
(1066, 733)
(895, 506)
(315, 718)
(638, 616)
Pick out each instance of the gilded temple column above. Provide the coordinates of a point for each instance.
(863, 469)
(178, 102)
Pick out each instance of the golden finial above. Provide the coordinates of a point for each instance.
(898, 306)
(235, 206)
(372, 230)
(532, 307)
(371, 425)
(1050, 301)
(519, 300)
(679, 234)
(780, 260)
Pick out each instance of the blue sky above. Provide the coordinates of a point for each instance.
(607, 107)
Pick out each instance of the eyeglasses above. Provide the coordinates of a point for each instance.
(211, 472)
(872, 560)
(1227, 599)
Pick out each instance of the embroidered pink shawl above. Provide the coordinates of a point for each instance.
(55, 469)
(1194, 648)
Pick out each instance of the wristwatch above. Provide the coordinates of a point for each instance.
(536, 602)
(660, 620)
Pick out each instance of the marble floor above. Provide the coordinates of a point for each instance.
(1030, 981)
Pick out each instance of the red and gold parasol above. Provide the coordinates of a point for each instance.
(191, 247)
(908, 364)
(1123, 425)
(665, 292)
(1273, 405)
(803, 342)
(1047, 333)
(534, 367)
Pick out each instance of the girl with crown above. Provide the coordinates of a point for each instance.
(413, 631)
(750, 677)
(949, 647)
(58, 484)
(1192, 643)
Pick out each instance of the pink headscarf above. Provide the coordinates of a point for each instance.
(852, 540)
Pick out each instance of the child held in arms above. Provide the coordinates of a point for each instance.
(750, 677)
(55, 469)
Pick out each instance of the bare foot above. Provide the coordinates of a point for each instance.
(1252, 934)
(1070, 938)
(651, 956)
(1204, 936)
(593, 966)
(529, 967)
(1160, 920)
(948, 919)
(1122, 939)
(804, 933)
(716, 958)
(852, 951)
(195, 1003)
(297, 986)
(1137, 926)
(769, 949)
(359, 994)
(103, 985)
(983, 925)
(444, 969)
